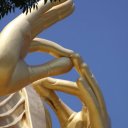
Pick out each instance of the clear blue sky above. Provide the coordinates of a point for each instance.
(98, 30)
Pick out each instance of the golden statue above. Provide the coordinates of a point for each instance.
(22, 107)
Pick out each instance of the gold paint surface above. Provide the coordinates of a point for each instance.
(23, 107)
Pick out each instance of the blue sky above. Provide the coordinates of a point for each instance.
(98, 31)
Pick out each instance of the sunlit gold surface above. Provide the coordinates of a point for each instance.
(93, 113)
(24, 109)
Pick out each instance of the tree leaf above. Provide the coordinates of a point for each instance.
(8, 6)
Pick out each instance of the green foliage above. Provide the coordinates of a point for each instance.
(8, 6)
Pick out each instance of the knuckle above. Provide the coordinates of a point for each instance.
(84, 65)
(75, 55)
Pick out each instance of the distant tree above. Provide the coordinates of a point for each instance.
(8, 6)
